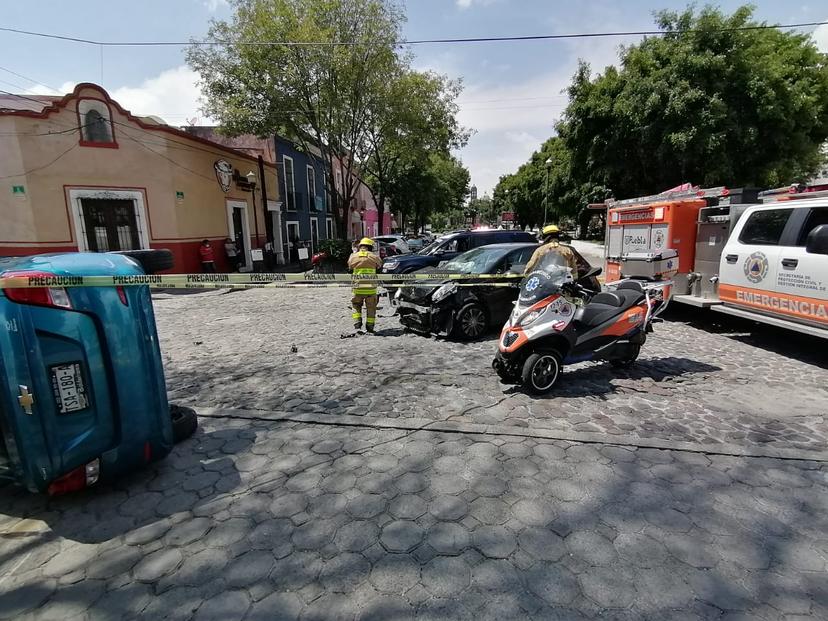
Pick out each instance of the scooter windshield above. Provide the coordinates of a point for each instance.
(545, 279)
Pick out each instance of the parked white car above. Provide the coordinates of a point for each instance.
(398, 241)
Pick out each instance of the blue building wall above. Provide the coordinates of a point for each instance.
(295, 203)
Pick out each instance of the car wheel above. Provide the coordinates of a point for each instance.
(184, 422)
(151, 261)
(470, 322)
(541, 372)
(629, 359)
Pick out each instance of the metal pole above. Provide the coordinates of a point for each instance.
(545, 197)
(255, 217)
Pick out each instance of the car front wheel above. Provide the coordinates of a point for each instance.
(470, 322)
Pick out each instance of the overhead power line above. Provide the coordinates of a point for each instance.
(544, 37)
(20, 75)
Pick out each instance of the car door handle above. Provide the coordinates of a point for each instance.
(790, 262)
(732, 258)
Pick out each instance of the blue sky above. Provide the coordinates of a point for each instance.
(512, 91)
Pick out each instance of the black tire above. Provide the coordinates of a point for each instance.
(629, 359)
(184, 422)
(470, 323)
(151, 261)
(541, 372)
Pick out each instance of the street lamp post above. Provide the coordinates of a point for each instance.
(546, 191)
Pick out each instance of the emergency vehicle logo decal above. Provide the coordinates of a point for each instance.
(658, 239)
(224, 174)
(533, 283)
(756, 267)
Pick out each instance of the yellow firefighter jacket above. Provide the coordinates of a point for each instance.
(364, 263)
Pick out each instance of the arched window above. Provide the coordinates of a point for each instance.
(95, 123)
(97, 127)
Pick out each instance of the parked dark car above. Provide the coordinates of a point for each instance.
(449, 246)
(447, 309)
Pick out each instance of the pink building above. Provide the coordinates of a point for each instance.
(364, 218)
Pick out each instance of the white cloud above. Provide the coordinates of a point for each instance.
(41, 89)
(513, 119)
(173, 95)
(465, 4)
(820, 36)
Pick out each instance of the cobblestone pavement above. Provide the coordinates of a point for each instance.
(707, 386)
(359, 513)
(270, 520)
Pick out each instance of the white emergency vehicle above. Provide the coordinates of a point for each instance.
(766, 261)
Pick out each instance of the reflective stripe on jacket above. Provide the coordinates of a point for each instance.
(365, 263)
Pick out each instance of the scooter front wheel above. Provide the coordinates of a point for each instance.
(541, 372)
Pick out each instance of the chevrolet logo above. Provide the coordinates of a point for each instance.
(26, 400)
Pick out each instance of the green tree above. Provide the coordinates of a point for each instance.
(536, 185)
(437, 185)
(415, 116)
(486, 208)
(315, 90)
(702, 103)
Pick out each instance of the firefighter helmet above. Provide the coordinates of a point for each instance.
(366, 241)
(550, 229)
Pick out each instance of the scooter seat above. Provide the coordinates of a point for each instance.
(594, 314)
(608, 298)
(607, 305)
(630, 297)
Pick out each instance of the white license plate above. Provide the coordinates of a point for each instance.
(67, 385)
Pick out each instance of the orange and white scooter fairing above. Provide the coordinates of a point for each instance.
(556, 322)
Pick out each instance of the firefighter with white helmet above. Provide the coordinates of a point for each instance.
(364, 262)
(550, 236)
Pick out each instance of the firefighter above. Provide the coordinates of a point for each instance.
(550, 236)
(365, 262)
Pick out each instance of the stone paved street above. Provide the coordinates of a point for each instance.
(709, 387)
(393, 477)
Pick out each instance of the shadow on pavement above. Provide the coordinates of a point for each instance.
(787, 343)
(113, 509)
(359, 525)
(597, 380)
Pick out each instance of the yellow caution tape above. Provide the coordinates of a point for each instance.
(211, 281)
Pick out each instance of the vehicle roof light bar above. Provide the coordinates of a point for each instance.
(792, 196)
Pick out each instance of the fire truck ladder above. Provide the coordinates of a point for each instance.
(694, 192)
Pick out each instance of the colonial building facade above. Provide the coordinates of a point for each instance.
(81, 173)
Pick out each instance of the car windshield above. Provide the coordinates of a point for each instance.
(433, 246)
(477, 261)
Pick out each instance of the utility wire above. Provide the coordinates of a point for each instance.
(546, 37)
(184, 145)
(20, 75)
(32, 170)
